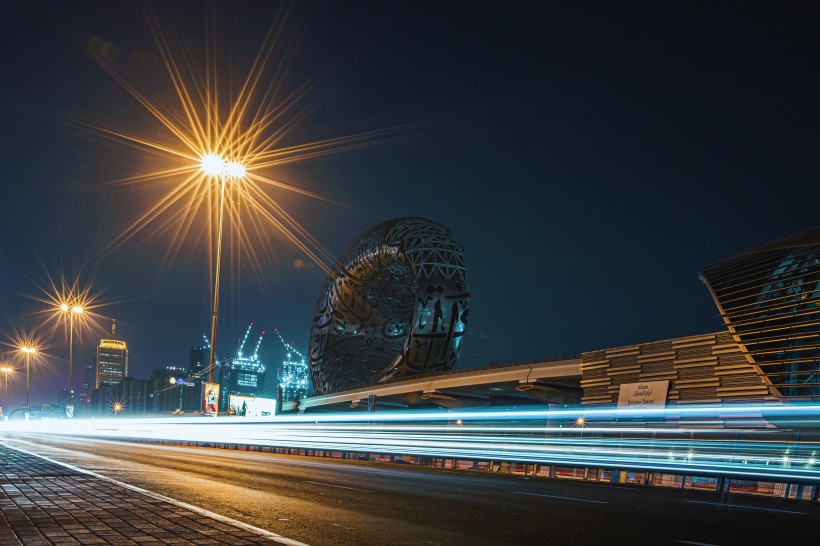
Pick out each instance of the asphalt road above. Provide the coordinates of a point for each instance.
(332, 502)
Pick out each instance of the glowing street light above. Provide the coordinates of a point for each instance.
(6, 369)
(580, 421)
(212, 164)
(27, 352)
(234, 169)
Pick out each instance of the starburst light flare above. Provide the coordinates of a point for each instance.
(64, 301)
(217, 142)
(225, 130)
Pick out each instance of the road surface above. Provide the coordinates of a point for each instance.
(334, 502)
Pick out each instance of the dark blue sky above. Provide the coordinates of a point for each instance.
(591, 159)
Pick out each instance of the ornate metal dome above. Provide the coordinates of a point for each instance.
(395, 305)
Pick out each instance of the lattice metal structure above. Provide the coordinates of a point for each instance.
(394, 305)
(769, 299)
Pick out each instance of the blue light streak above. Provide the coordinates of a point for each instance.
(635, 439)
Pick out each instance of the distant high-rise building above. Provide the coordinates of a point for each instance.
(294, 374)
(87, 385)
(62, 396)
(196, 360)
(294, 377)
(112, 360)
(242, 375)
(130, 396)
(133, 395)
(172, 390)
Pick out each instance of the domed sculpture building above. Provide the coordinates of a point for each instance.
(395, 305)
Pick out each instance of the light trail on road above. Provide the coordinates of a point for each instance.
(669, 439)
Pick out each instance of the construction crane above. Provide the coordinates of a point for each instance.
(258, 344)
(244, 339)
(288, 346)
(294, 374)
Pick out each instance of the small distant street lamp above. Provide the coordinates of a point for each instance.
(117, 407)
(27, 352)
(71, 311)
(581, 422)
(6, 370)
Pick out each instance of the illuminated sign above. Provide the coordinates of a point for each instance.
(645, 394)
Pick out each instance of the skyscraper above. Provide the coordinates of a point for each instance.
(87, 384)
(294, 377)
(62, 396)
(112, 360)
(242, 375)
(196, 360)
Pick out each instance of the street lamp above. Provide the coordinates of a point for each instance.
(6, 370)
(581, 421)
(217, 168)
(75, 310)
(27, 352)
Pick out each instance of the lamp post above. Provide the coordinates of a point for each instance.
(6, 370)
(27, 352)
(219, 170)
(70, 311)
(216, 278)
(75, 310)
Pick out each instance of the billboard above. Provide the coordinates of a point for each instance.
(251, 406)
(210, 398)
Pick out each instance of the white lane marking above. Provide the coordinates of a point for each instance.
(559, 497)
(747, 507)
(207, 513)
(339, 486)
(694, 543)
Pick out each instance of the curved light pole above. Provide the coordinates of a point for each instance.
(6, 370)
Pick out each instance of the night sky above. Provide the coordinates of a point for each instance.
(592, 158)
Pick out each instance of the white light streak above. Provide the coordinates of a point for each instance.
(498, 435)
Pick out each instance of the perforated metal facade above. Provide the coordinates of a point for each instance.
(395, 305)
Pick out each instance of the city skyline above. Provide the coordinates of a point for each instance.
(553, 154)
